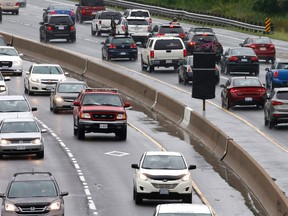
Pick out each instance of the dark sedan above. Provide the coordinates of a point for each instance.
(243, 91)
(240, 60)
(119, 47)
(58, 9)
(185, 71)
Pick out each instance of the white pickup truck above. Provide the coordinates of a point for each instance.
(162, 51)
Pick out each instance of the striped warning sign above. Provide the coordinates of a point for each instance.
(267, 24)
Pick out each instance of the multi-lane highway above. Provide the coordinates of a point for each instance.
(97, 172)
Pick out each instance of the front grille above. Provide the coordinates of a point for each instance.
(20, 141)
(69, 99)
(33, 209)
(164, 186)
(49, 81)
(103, 116)
(165, 178)
(5, 63)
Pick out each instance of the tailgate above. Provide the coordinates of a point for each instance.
(138, 28)
(169, 54)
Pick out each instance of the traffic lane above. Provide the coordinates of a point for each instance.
(105, 162)
(58, 163)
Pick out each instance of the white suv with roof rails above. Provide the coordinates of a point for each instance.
(163, 51)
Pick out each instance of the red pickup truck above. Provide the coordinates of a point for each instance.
(86, 9)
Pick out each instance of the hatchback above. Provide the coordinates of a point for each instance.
(263, 47)
(162, 175)
(33, 193)
(276, 107)
(243, 91)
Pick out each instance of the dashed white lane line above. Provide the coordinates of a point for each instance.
(90, 201)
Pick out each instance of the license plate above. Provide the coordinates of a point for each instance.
(244, 60)
(168, 61)
(103, 126)
(123, 53)
(21, 147)
(248, 99)
(49, 87)
(164, 191)
(5, 67)
(262, 48)
(94, 12)
(60, 27)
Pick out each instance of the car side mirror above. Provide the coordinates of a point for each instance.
(2, 195)
(127, 104)
(44, 9)
(102, 43)
(7, 78)
(21, 54)
(43, 130)
(34, 109)
(77, 5)
(66, 73)
(64, 194)
(27, 73)
(41, 23)
(135, 166)
(222, 86)
(266, 69)
(191, 167)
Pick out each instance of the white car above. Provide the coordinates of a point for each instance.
(181, 209)
(138, 13)
(3, 87)
(10, 6)
(162, 175)
(10, 61)
(42, 78)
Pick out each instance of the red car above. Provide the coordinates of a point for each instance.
(263, 47)
(243, 91)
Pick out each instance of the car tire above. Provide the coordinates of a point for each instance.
(266, 121)
(98, 32)
(150, 68)
(227, 104)
(227, 72)
(187, 198)
(80, 133)
(122, 134)
(25, 89)
(92, 31)
(54, 109)
(103, 57)
(46, 39)
(75, 130)
(29, 91)
(40, 155)
(137, 198)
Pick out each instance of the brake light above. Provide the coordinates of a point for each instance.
(189, 69)
(53, 12)
(150, 20)
(252, 46)
(72, 28)
(262, 90)
(171, 26)
(233, 90)
(276, 74)
(254, 59)
(185, 53)
(49, 28)
(83, 11)
(72, 13)
(160, 34)
(191, 43)
(182, 35)
(112, 46)
(204, 34)
(233, 58)
(152, 54)
(133, 45)
(17, 4)
(276, 103)
(272, 46)
(123, 28)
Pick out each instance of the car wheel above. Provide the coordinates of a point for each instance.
(187, 198)
(185, 80)
(227, 104)
(75, 130)
(25, 89)
(137, 198)
(150, 68)
(46, 39)
(103, 58)
(40, 155)
(29, 91)
(98, 32)
(266, 121)
(17, 13)
(122, 134)
(92, 31)
(54, 109)
(80, 133)
(227, 72)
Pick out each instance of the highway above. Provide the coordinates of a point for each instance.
(100, 182)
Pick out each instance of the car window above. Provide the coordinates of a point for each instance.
(108, 15)
(70, 88)
(60, 20)
(168, 44)
(47, 70)
(92, 2)
(61, 7)
(102, 99)
(163, 162)
(246, 82)
(282, 66)
(8, 52)
(205, 38)
(261, 41)
(19, 127)
(137, 22)
(283, 95)
(242, 52)
(122, 41)
(139, 14)
(14, 106)
(171, 29)
(2, 42)
(22, 189)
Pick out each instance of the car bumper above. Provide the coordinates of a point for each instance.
(21, 149)
(61, 35)
(51, 213)
(65, 105)
(9, 9)
(280, 83)
(243, 68)
(247, 100)
(12, 71)
(123, 53)
(279, 117)
(103, 126)
(166, 63)
(40, 87)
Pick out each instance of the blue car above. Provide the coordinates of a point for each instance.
(58, 9)
(277, 75)
(119, 47)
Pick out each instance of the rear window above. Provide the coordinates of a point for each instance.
(283, 95)
(137, 22)
(246, 82)
(60, 20)
(139, 14)
(122, 41)
(171, 29)
(92, 3)
(261, 41)
(168, 44)
(243, 52)
(109, 15)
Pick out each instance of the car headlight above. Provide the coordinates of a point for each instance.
(56, 205)
(5, 142)
(121, 116)
(142, 177)
(59, 99)
(85, 116)
(33, 79)
(17, 62)
(36, 141)
(2, 88)
(10, 207)
(187, 177)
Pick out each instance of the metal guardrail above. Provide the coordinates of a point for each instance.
(180, 14)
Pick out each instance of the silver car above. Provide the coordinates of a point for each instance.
(64, 94)
(3, 86)
(276, 107)
(21, 136)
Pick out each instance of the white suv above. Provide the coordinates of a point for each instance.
(10, 6)
(163, 51)
(162, 175)
(138, 13)
(42, 78)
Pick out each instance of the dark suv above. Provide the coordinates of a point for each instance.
(57, 26)
(86, 9)
(33, 193)
(100, 110)
(168, 30)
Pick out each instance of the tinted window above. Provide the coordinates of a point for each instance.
(163, 162)
(61, 7)
(92, 2)
(19, 127)
(242, 52)
(60, 20)
(261, 41)
(283, 95)
(282, 66)
(14, 106)
(168, 44)
(139, 14)
(122, 41)
(246, 82)
(172, 29)
(137, 22)
(109, 15)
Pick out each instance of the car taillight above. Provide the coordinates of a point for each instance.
(233, 90)
(252, 46)
(83, 11)
(17, 4)
(53, 12)
(72, 13)
(49, 28)
(149, 28)
(123, 27)
(152, 54)
(150, 20)
(276, 103)
(133, 46)
(233, 58)
(189, 70)
(112, 46)
(160, 34)
(182, 35)
(191, 43)
(254, 59)
(72, 28)
(185, 53)
(276, 74)
(272, 46)
(262, 90)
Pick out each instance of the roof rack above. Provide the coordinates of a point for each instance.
(32, 172)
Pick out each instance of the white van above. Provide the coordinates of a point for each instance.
(10, 6)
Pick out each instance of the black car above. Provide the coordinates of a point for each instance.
(33, 193)
(168, 30)
(240, 60)
(58, 9)
(119, 46)
(185, 71)
(57, 26)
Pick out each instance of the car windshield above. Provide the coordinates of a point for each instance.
(137, 22)
(36, 188)
(14, 106)
(139, 14)
(261, 41)
(2, 42)
(171, 29)
(70, 87)
(171, 162)
(169, 44)
(19, 127)
(246, 82)
(102, 100)
(282, 95)
(8, 52)
(247, 52)
(108, 15)
(47, 70)
(183, 214)
(92, 2)
(202, 29)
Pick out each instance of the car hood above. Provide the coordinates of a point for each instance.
(49, 76)
(102, 108)
(10, 58)
(68, 95)
(32, 200)
(15, 114)
(35, 135)
(164, 172)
